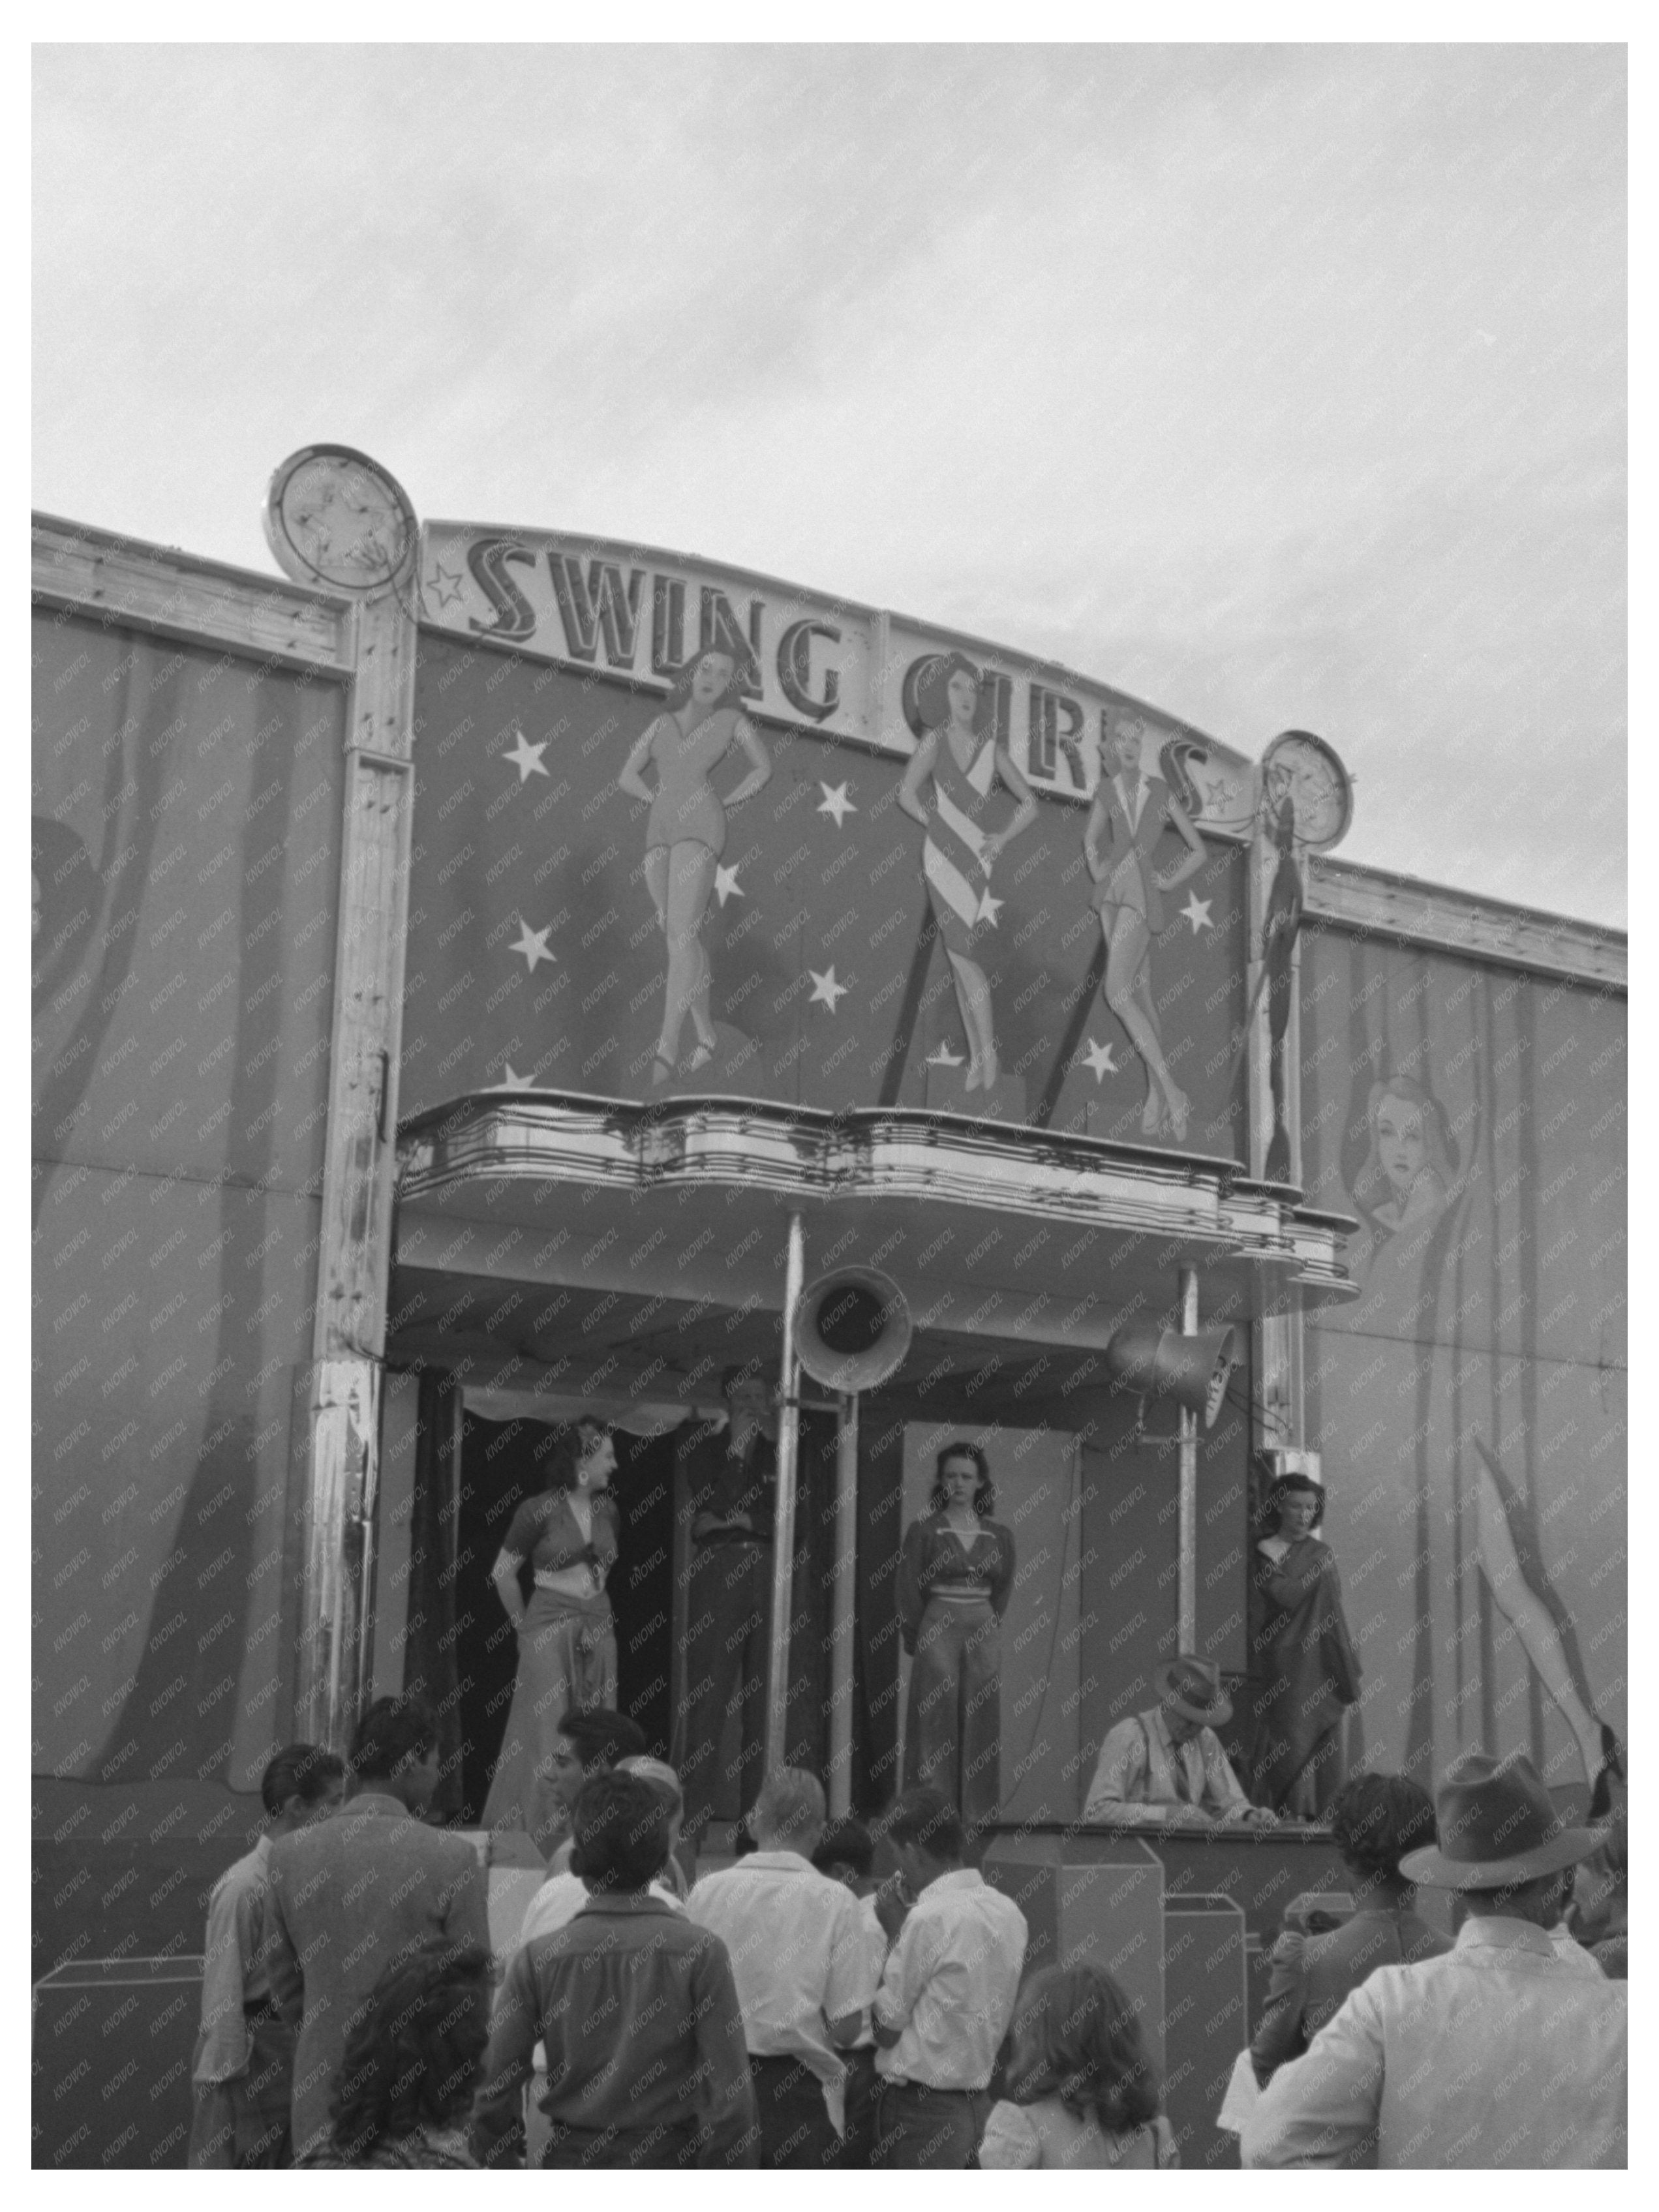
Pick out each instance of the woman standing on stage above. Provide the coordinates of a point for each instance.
(962, 764)
(701, 722)
(566, 1638)
(1304, 1672)
(1130, 812)
(956, 1575)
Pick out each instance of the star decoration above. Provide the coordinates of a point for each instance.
(1217, 790)
(989, 907)
(532, 944)
(1197, 911)
(526, 757)
(945, 1058)
(1098, 1059)
(836, 804)
(448, 586)
(825, 989)
(726, 884)
(510, 1081)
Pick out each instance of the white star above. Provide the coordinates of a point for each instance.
(989, 907)
(1099, 1058)
(527, 758)
(825, 989)
(836, 802)
(726, 884)
(446, 585)
(945, 1058)
(511, 1082)
(1197, 911)
(532, 944)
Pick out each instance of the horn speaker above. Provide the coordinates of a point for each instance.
(852, 1329)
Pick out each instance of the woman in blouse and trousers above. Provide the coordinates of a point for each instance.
(567, 1637)
(956, 1574)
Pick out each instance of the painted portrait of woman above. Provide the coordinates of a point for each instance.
(700, 723)
(947, 788)
(1409, 1171)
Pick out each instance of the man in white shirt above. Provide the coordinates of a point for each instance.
(947, 1991)
(1507, 2051)
(800, 1961)
(1167, 1765)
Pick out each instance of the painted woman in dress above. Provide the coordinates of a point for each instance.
(701, 722)
(1130, 812)
(567, 1637)
(961, 763)
(955, 1577)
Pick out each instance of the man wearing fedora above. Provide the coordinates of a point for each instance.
(1170, 1759)
(1507, 2051)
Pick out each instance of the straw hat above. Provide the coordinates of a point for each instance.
(1193, 1688)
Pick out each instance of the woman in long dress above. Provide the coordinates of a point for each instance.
(567, 1637)
(700, 723)
(955, 1577)
(1130, 812)
(958, 764)
(1304, 1671)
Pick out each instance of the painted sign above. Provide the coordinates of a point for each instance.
(631, 894)
(800, 659)
(1471, 1402)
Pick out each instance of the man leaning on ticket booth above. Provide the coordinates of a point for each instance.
(1166, 1767)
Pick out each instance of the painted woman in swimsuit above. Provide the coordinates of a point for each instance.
(1130, 906)
(962, 763)
(701, 722)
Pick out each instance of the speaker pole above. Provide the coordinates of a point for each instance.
(783, 1515)
(842, 1607)
(1186, 1586)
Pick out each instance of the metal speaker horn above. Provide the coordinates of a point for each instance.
(852, 1329)
(1159, 1362)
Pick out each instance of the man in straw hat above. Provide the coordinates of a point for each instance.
(1170, 1757)
(1507, 2051)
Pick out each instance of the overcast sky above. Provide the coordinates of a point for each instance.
(1282, 387)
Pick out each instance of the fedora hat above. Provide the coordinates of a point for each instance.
(1193, 1687)
(1498, 1826)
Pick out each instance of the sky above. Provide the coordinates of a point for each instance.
(1281, 386)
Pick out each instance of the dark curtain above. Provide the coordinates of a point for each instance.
(876, 1647)
(431, 1668)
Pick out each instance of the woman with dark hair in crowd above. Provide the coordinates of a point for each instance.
(412, 2058)
(1083, 2090)
(956, 1575)
(568, 1536)
(1304, 1672)
(1375, 1819)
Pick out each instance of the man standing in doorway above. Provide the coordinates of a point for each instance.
(730, 1478)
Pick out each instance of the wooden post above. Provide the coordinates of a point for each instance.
(1187, 1523)
(337, 519)
(783, 1517)
(842, 1609)
(1276, 1397)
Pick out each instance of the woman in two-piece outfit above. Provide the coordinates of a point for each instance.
(1131, 811)
(959, 764)
(567, 1637)
(701, 722)
(956, 1575)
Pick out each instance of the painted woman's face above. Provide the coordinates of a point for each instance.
(1400, 1144)
(1125, 742)
(962, 692)
(713, 673)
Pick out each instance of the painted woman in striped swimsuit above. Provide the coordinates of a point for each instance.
(962, 764)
